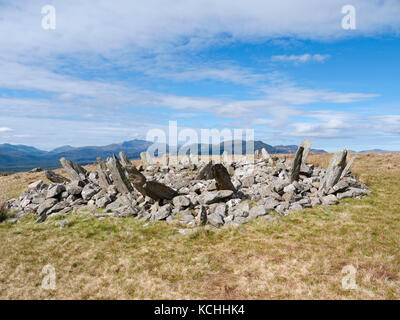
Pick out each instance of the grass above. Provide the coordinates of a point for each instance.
(4, 212)
(299, 257)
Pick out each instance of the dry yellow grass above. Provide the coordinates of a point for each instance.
(299, 257)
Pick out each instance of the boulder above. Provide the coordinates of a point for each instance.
(216, 220)
(55, 190)
(215, 196)
(334, 171)
(295, 173)
(222, 178)
(329, 200)
(54, 177)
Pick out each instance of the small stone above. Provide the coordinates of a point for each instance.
(102, 202)
(55, 191)
(181, 202)
(258, 211)
(74, 189)
(36, 185)
(46, 205)
(88, 192)
(216, 220)
(329, 200)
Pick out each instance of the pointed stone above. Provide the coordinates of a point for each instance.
(124, 158)
(104, 180)
(264, 154)
(206, 172)
(165, 160)
(222, 178)
(347, 168)
(102, 164)
(145, 157)
(226, 158)
(295, 173)
(136, 178)
(307, 147)
(119, 178)
(74, 170)
(194, 159)
(334, 171)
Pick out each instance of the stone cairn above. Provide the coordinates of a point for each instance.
(190, 194)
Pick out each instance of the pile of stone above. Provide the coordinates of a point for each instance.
(190, 192)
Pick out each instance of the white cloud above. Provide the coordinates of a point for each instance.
(299, 59)
(153, 24)
(5, 129)
(290, 93)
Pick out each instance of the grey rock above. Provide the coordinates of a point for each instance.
(188, 231)
(329, 200)
(36, 185)
(201, 218)
(216, 220)
(315, 201)
(294, 175)
(58, 207)
(347, 168)
(270, 203)
(163, 212)
(126, 211)
(181, 202)
(241, 220)
(46, 205)
(258, 211)
(215, 196)
(55, 190)
(54, 177)
(118, 174)
(335, 169)
(74, 170)
(247, 181)
(88, 192)
(102, 202)
(295, 207)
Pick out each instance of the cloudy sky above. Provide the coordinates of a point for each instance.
(112, 70)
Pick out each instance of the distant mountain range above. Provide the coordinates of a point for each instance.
(15, 158)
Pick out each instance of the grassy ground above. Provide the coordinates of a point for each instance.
(299, 257)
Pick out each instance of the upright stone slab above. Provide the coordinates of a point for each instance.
(256, 154)
(226, 159)
(165, 160)
(307, 147)
(102, 163)
(74, 170)
(184, 160)
(264, 154)
(206, 172)
(144, 158)
(334, 171)
(347, 168)
(119, 178)
(194, 159)
(136, 178)
(295, 173)
(124, 159)
(104, 180)
(222, 178)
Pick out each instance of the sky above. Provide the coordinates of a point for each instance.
(111, 71)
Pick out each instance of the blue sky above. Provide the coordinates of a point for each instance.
(111, 72)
